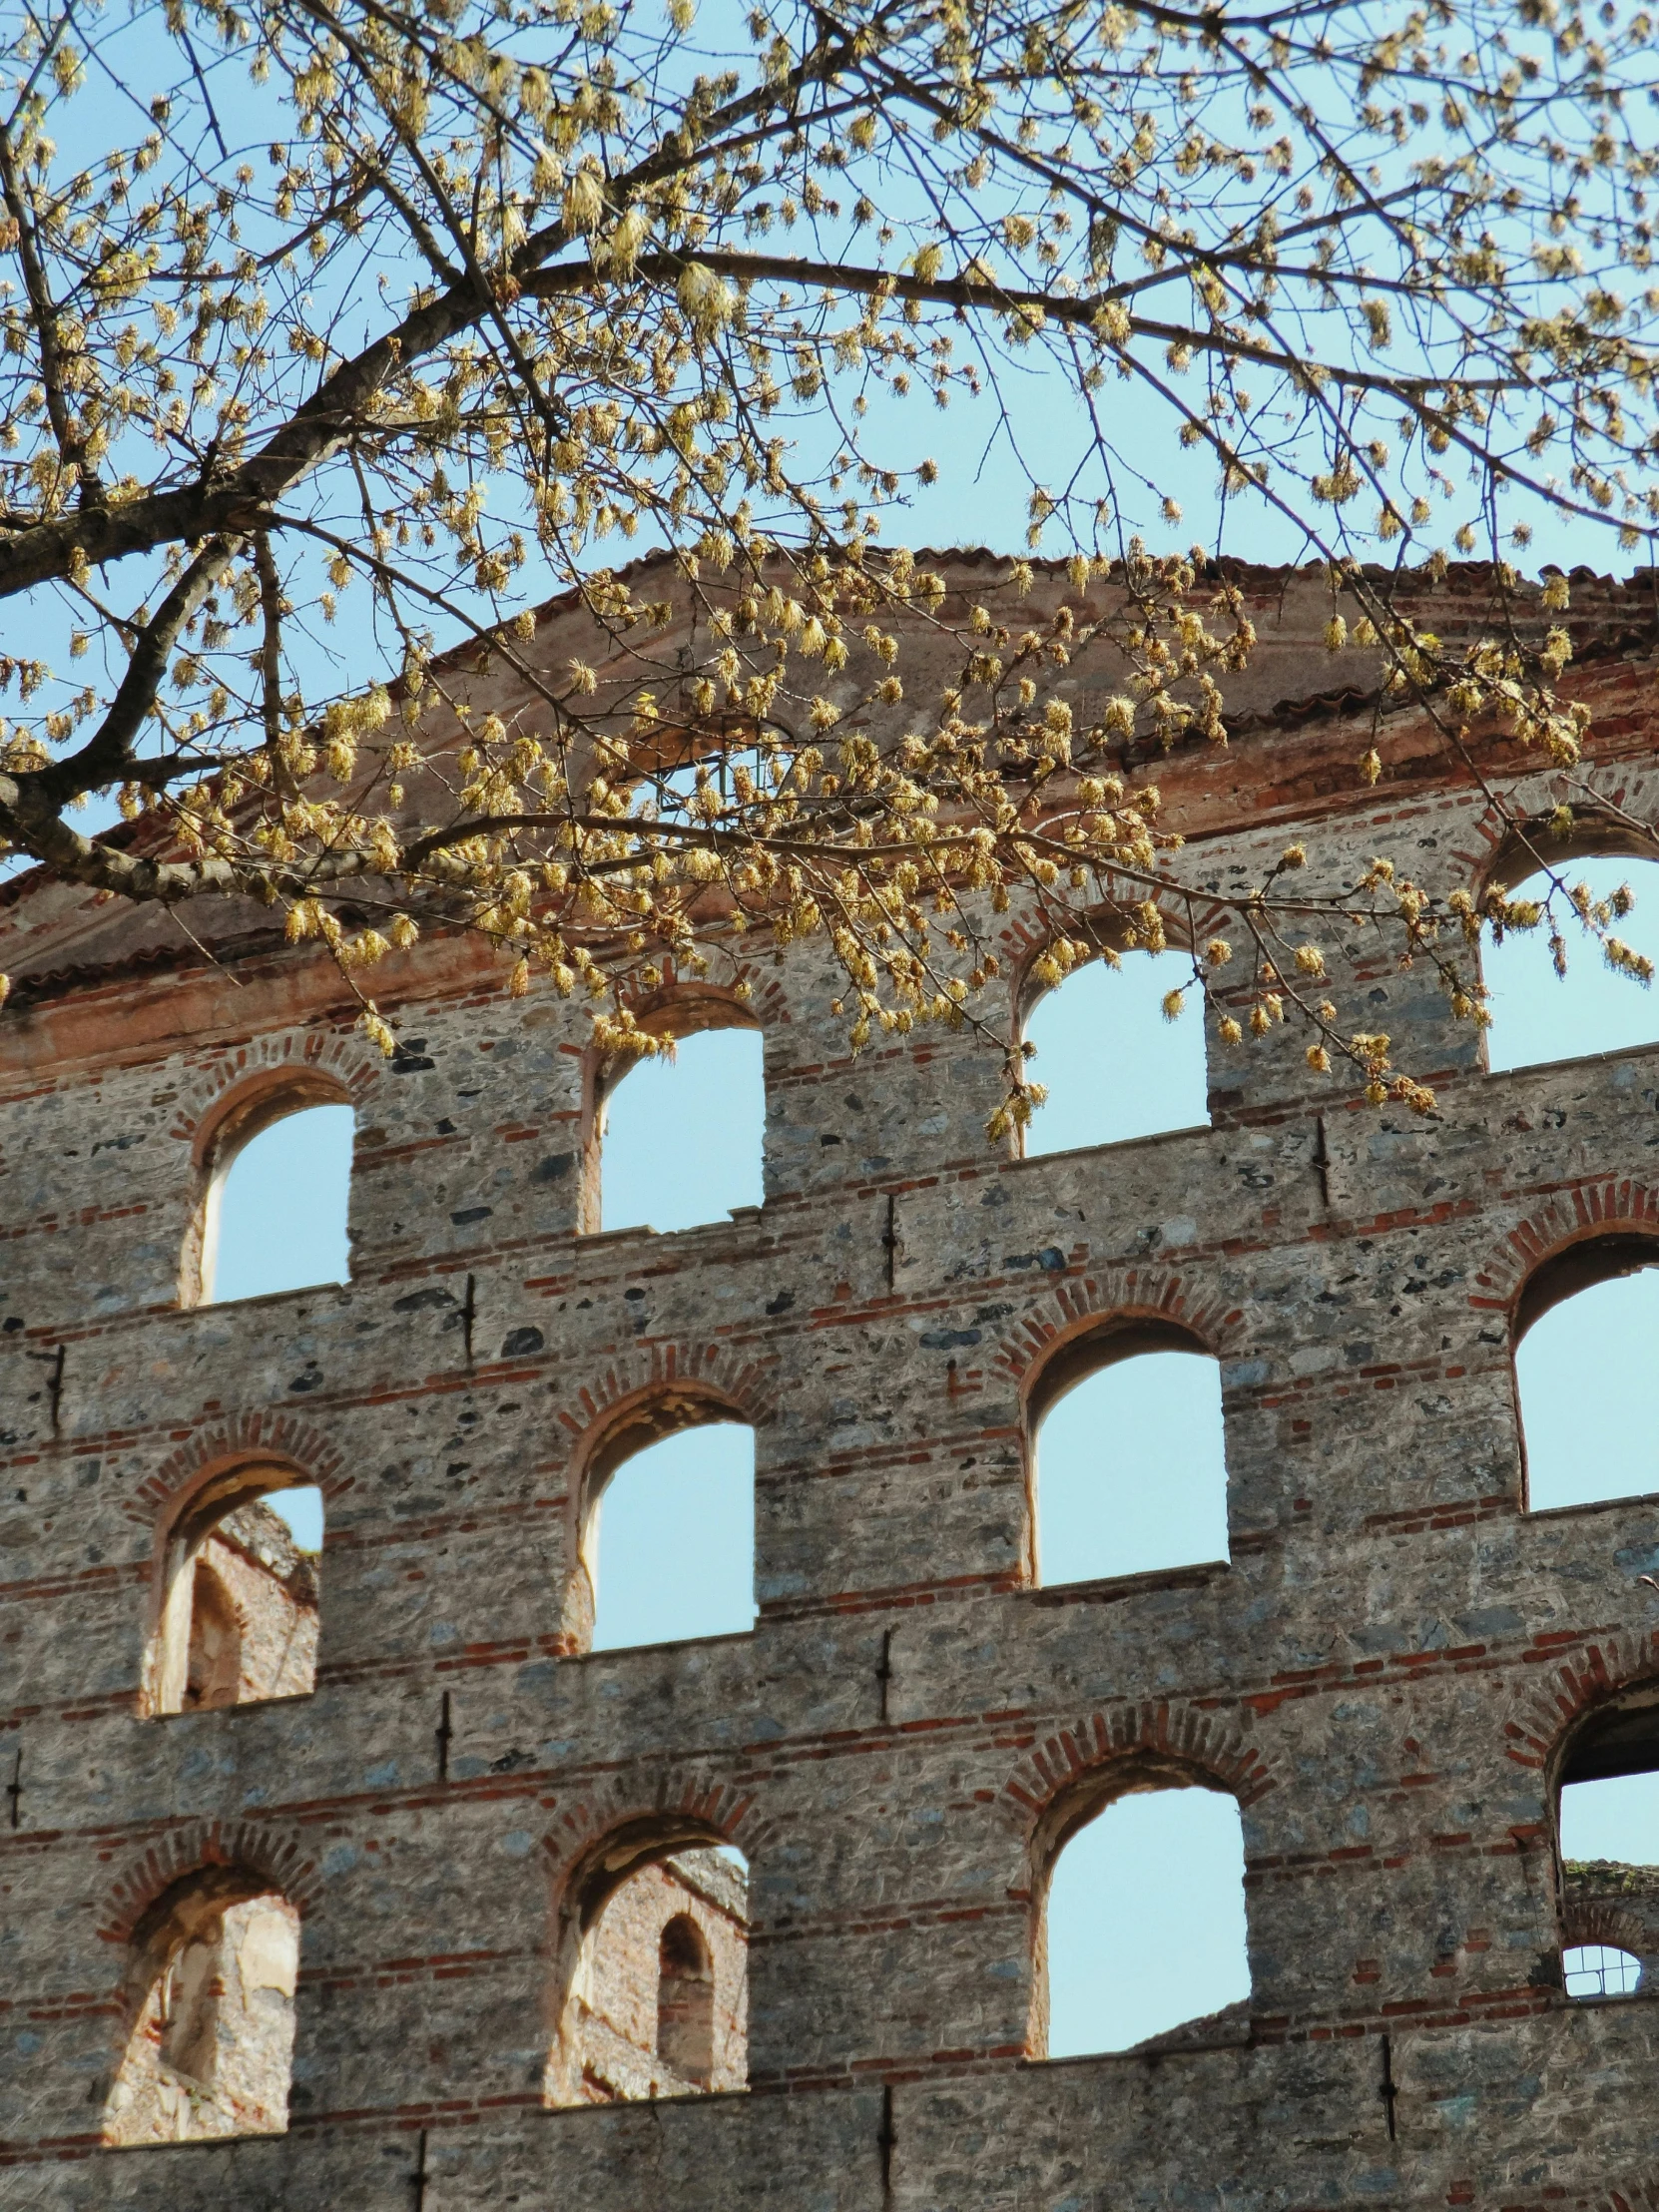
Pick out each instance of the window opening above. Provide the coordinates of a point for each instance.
(682, 1139)
(1538, 1016)
(1585, 1378)
(685, 2001)
(1597, 1971)
(277, 1209)
(1607, 1827)
(1145, 1924)
(211, 1989)
(659, 2004)
(1131, 1471)
(240, 1611)
(213, 1674)
(1114, 1066)
(670, 1543)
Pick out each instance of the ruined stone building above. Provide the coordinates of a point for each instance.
(362, 1882)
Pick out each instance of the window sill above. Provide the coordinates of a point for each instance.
(673, 1643)
(1613, 1056)
(1109, 1587)
(239, 1705)
(1590, 1507)
(1115, 1144)
(262, 1298)
(735, 1217)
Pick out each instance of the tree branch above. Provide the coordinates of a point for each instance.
(107, 754)
(71, 444)
(320, 424)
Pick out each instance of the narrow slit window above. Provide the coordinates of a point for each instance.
(685, 2001)
(277, 1209)
(670, 1544)
(1131, 1474)
(1145, 1924)
(681, 1139)
(1115, 1066)
(240, 1607)
(657, 2004)
(1538, 1016)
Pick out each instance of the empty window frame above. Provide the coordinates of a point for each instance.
(208, 2023)
(679, 1140)
(275, 1196)
(668, 1544)
(1144, 1924)
(238, 1599)
(1114, 1065)
(1538, 1016)
(1586, 1383)
(1128, 1461)
(657, 2003)
(1607, 1836)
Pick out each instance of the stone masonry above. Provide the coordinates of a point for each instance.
(1392, 1676)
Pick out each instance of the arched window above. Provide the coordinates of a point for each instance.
(1599, 1971)
(238, 1595)
(207, 2024)
(276, 1191)
(1538, 1016)
(1585, 1376)
(1127, 1449)
(1607, 1839)
(678, 1141)
(655, 1950)
(1115, 1066)
(1144, 1928)
(667, 1543)
(686, 2000)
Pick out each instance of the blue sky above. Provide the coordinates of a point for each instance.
(682, 1145)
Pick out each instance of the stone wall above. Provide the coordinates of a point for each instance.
(1383, 1675)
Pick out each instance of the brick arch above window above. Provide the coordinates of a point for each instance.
(265, 1437)
(1188, 1740)
(1596, 1921)
(194, 1847)
(1131, 1296)
(1544, 1711)
(752, 998)
(673, 1807)
(1602, 1207)
(1492, 849)
(314, 1067)
(622, 1394)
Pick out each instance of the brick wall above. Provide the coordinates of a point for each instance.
(1382, 1675)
